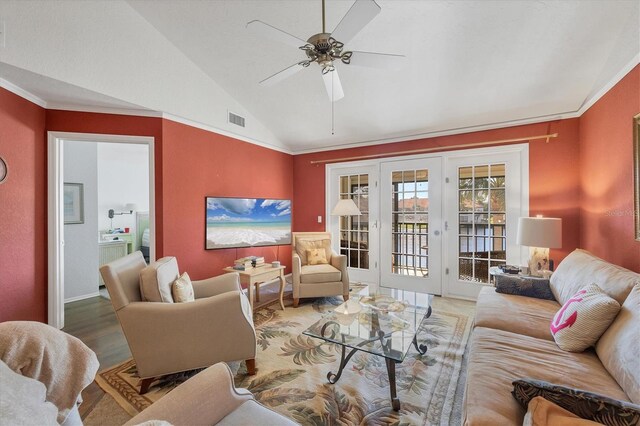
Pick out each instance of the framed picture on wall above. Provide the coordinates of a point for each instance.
(636, 173)
(73, 203)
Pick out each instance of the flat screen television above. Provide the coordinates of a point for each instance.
(247, 222)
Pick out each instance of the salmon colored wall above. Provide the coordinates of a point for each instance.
(197, 164)
(553, 175)
(23, 210)
(112, 124)
(606, 174)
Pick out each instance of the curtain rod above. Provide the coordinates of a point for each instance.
(435, 148)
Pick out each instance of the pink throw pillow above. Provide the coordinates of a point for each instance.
(583, 319)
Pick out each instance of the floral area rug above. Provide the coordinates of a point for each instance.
(292, 371)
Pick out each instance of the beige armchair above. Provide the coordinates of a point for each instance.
(317, 280)
(210, 398)
(167, 338)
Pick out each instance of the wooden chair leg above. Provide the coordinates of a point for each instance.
(145, 384)
(295, 302)
(346, 297)
(251, 367)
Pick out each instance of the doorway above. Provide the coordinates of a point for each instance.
(86, 209)
(435, 223)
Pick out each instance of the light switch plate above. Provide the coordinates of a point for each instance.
(319, 219)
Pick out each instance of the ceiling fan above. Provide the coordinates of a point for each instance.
(325, 48)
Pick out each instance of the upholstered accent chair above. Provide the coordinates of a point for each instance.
(210, 398)
(166, 337)
(330, 279)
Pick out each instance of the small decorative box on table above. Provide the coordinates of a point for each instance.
(256, 276)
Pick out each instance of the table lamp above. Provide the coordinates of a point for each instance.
(539, 234)
(345, 207)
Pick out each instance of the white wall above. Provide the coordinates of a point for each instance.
(123, 177)
(81, 240)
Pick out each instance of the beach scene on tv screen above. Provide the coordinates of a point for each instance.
(247, 222)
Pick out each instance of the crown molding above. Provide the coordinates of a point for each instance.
(447, 132)
(22, 93)
(103, 110)
(227, 133)
(588, 103)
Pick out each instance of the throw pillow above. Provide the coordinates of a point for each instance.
(542, 413)
(302, 245)
(316, 257)
(586, 405)
(157, 278)
(583, 318)
(182, 289)
(521, 286)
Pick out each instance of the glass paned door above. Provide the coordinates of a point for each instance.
(355, 236)
(410, 237)
(354, 230)
(483, 200)
(481, 221)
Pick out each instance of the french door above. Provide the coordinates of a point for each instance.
(411, 216)
(356, 236)
(484, 196)
(434, 223)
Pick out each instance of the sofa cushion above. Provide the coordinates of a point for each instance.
(157, 278)
(619, 346)
(583, 318)
(517, 314)
(304, 244)
(497, 358)
(252, 412)
(581, 268)
(319, 274)
(587, 405)
(541, 412)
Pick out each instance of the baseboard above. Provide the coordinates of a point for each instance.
(84, 296)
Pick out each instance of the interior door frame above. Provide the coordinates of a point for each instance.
(372, 276)
(55, 233)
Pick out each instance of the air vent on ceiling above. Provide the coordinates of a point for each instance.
(236, 119)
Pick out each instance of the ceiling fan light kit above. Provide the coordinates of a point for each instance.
(327, 48)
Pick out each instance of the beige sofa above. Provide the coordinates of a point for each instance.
(511, 340)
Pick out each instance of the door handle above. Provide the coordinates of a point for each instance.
(436, 233)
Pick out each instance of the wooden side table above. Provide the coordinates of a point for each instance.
(256, 276)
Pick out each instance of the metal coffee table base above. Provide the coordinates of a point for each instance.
(391, 364)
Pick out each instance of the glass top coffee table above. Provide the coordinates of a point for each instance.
(379, 325)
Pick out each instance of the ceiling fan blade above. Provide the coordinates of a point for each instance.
(262, 29)
(377, 60)
(333, 85)
(360, 14)
(281, 75)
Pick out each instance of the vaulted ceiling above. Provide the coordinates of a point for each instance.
(468, 64)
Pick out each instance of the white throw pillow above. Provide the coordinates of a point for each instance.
(182, 289)
(583, 319)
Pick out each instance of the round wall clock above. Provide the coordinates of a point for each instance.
(3, 170)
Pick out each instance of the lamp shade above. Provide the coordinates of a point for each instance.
(131, 207)
(543, 232)
(345, 208)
